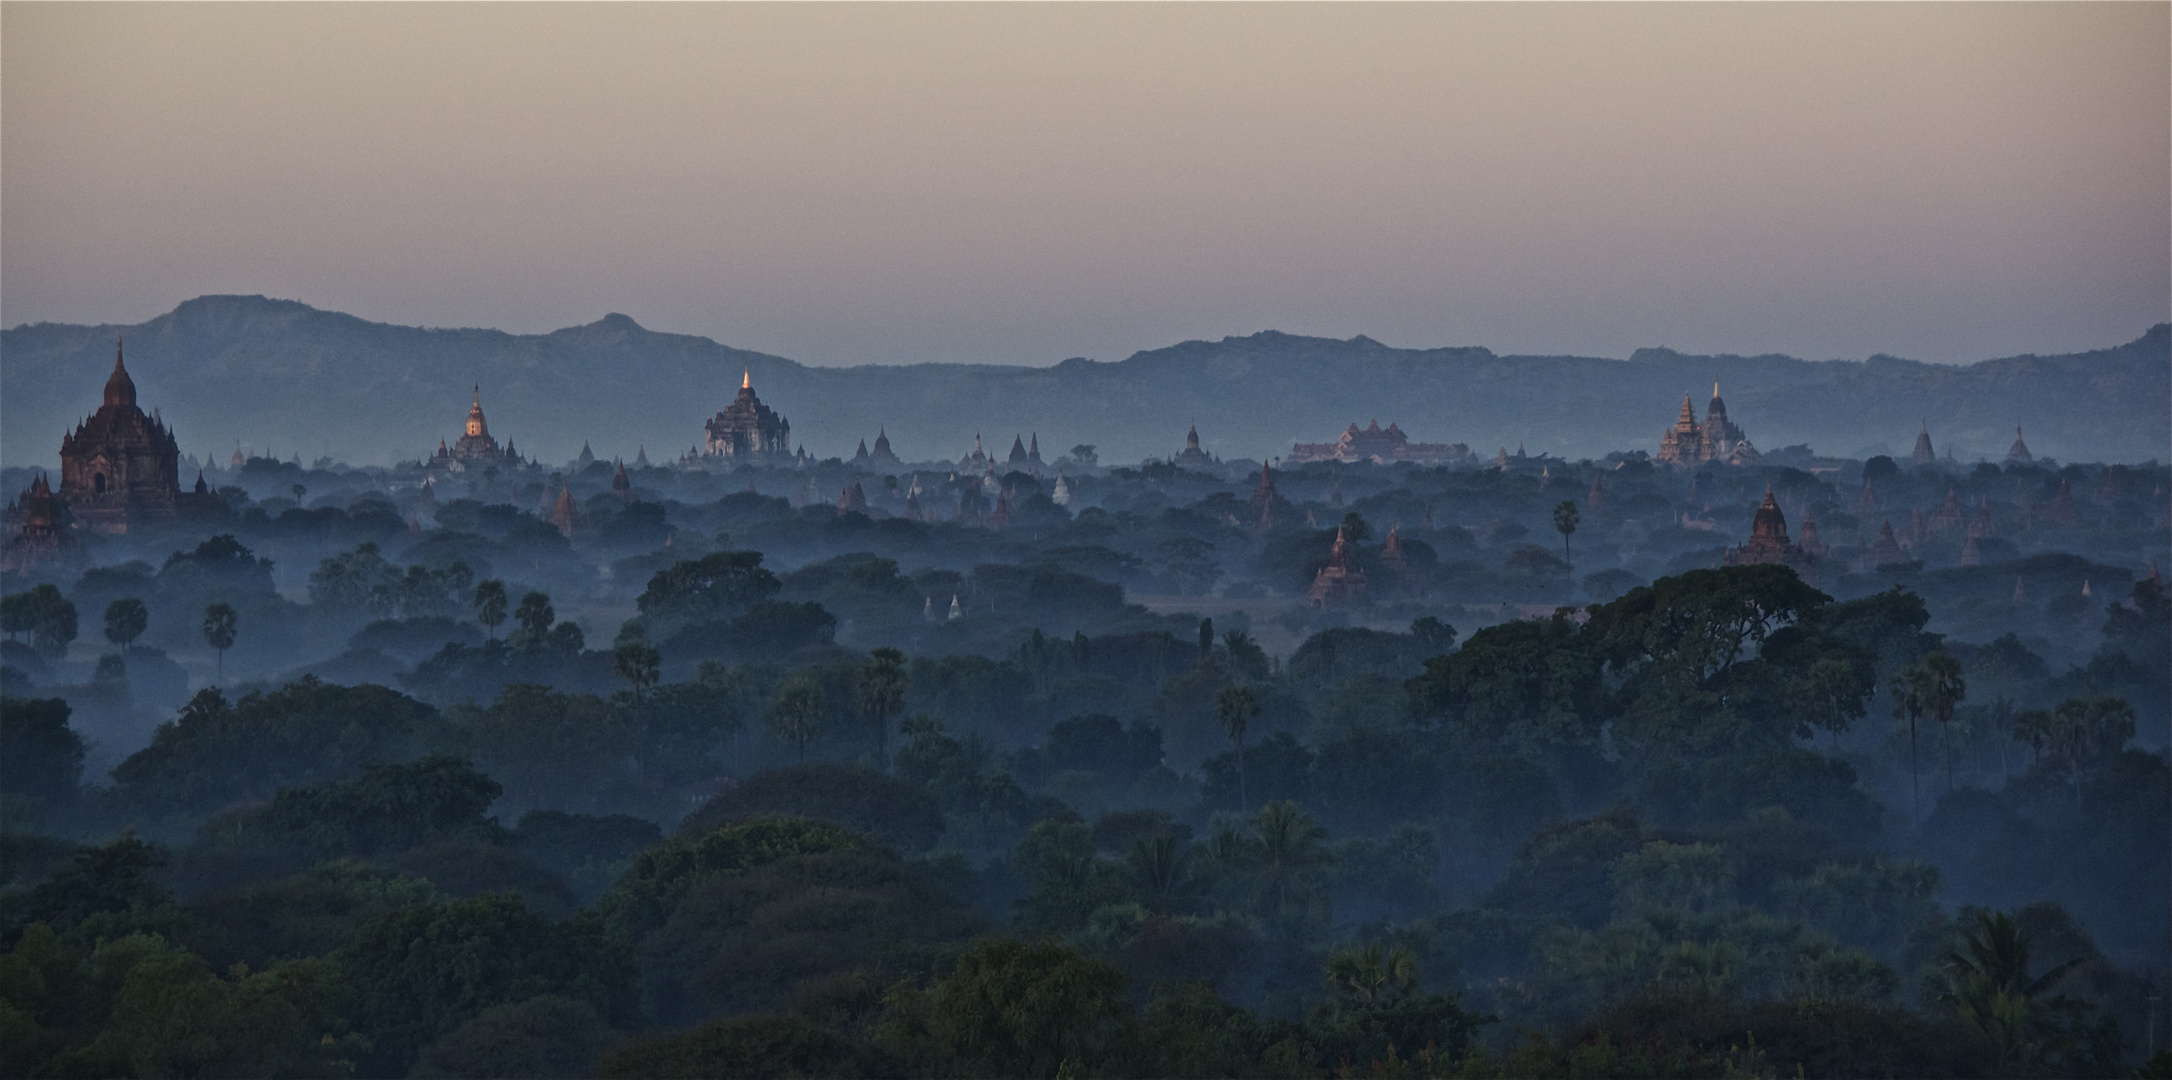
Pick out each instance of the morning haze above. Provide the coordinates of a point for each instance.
(842, 184)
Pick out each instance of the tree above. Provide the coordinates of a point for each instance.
(639, 663)
(796, 716)
(18, 615)
(489, 603)
(1565, 519)
(1084, 454)
(221, 622)
(1833, 691)
(1291, 854)
(1989, 988)
(41, 757)
(1943, 691)
(1354, 528)
(882, 695)
(421, 972)
(1017, 1009)
(2078, 738)
(126, 620)
(49, 617)
(1235, 707)
(535, 617)
(1907, 688)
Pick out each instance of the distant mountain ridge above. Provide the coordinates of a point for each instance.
(284, 377)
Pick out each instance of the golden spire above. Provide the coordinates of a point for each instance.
(746, 381)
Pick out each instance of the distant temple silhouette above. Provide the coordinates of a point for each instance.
(120, 468)
(1374, 443)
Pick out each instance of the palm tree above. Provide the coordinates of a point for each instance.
(796, 716)
(1943, 690)
(1565, 519)
(1290, 852)
(490, 602)
(1157, 866)
(1989, 988)
(1370, 976)
(1236, 707)
(535, 615)
(221, 622)
(881, 694)
(1907, 690)
(126, 619)
(639, 663)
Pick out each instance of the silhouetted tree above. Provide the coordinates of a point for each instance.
(126, 620)
(221, 622)
(881, 695)
(490, 603)
(1235, 707)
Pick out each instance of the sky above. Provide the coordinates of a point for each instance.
(997, 183)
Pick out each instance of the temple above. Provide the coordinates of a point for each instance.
(1717, 439)
(121, 468)
(39, 535)
(748, 432)
(1769, 543)
(1341, 581)
(2018, 453)
(1384, 445)
(476, 449)
(1193, 457)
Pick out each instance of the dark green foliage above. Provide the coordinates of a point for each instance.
(46, 616)
(1022, 1009)
(1675, 1034)
(566, 843)
(306, 914)
(388, 809)
(1808, 785)
(749, 1048)
(1098, 743)
(136, 1005)
(41, 757)
(1276, 768)
(739, 941)
(895, 813)
(217, 754)
(662, 876)
(548, 1036)
(420, 973)
(1528, 686)
(111, 878)
(714, 588)
(126, 619)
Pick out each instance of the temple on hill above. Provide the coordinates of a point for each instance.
(1923, 454)
(1193, 457)
(1716, 440)
(748, 432)
(1384, 445)
(1769, 543)
(121, 468)
(476, 450)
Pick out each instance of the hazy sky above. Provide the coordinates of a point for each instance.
(994, 183)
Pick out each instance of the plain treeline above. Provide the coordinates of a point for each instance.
(1578, 846)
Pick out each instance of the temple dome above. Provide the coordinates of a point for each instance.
(120, 389)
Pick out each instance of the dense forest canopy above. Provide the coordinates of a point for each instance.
(337, 776)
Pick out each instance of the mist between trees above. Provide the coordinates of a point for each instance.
(334, 777)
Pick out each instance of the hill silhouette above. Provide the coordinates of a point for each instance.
(284, 377)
